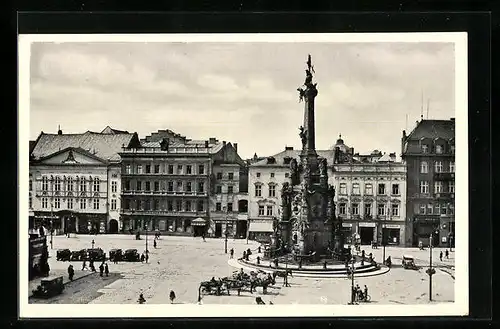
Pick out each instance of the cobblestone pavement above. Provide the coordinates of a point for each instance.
(181, 263)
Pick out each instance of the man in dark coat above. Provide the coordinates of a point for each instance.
(106, 269)
(71, 272)
(101, 269)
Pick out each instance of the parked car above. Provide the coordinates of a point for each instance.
(131, 255)
(115, 254)
(63, 255)
(49, 287)
(409, 263)
(78, 255)
(96, 254)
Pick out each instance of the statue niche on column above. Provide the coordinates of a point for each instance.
(295, 172)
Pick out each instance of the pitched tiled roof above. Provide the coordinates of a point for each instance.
(280, 157)
(32, 145)
(109, 130)
(105, 146)
(433, 129)
(214, 148)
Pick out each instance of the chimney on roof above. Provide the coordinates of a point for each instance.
(288, 148)
(235, 145)
(224, 143)
(59, 131)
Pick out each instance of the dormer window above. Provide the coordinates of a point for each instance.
(439, 149)
(425, 148)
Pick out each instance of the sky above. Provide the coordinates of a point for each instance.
(242, 92)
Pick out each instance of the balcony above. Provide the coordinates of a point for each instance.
(444, 176)
(163, 212)
(166, 193)
(163, 175)
(445, 195)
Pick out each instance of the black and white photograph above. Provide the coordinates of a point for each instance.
(243, 175)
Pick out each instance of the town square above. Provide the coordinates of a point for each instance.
(271, 174)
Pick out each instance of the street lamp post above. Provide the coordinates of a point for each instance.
(248, 228)
(430, 271)
(147, 256)
(352, 282)
(51, 224)
(383, 242)
(225, 233)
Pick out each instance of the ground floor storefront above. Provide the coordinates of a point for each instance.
(365, 233)
(442, 230)
(260, 230)
(64, 222)
(178, 224)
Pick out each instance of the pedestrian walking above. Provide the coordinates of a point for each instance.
(101, 270)
(106, 269)
(172, 296)
(231, 253)
(154, 244)
(141, 299)
(441, 255)
(84, 265)
(71, 272)
(91, 265)
(203, 236)
(366, 291)
(142, 258)
(447, 254)
(147, 257)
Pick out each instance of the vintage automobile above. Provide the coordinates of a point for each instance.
(63, 255)
(131, 255)
(78, 254)
(96, 254)
(409, 263)
(115, 255)
(49, 287)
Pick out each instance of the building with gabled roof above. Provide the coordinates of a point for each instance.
(74, 183)
(429, 154)
(174, 184)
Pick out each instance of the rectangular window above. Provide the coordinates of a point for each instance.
(45, 184)
(70, 184)
(425, 148)
(368, 209)
(57, 203)
(148, 186)
(369, 189)
(438, 166)
(171, 169)
(218, 206)
(188, 187)
(128, 169)
(96, 203)
(395, 210)
(170, 205)
(114, 187)
(269, 210)
(258, 175)
(83, 203)
(218, 189)
(381, 188)
(139, 185)
(451, 187)
(201, 205)
(188, 205)
(438, 187)
(424, 167)
(179, 169)
(96, 185)
(179, 186)
(452, 166)
(178, 205)
(422, 209)
(156, 186)
(430, 209)
(355, 209)
(258, 190)
(272, 175)
(381, 210)
(444, 210)
(57, 186)
(30, 202)
(201, 170)
(139, 169)
(355, 189)
(272, 191)
(395, 189)
(452, 209)
(439, 149)
(170, 186)
(83, 186)
(343, 188)
(219, 175)
(189, 169)
(230, 189)
(44, 203)
(230, 176)
(424, 187)
(113, 204)
(70, 203)
(342, 209)
(437, 210)
(156, 205)
(230, 206)
(148, 169)
(261, 210)
(201, 187)
(157, 169)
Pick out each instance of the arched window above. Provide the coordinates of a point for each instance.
(96, 184)
(424, 167)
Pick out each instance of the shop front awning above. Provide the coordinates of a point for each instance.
(198, 222)
(261, 227)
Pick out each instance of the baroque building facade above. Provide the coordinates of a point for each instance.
(429, 154)
(170, 184)
(74, 181)
(370, 193)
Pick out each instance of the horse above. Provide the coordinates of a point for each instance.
(208, 286)
(262, 282)
(283, 274)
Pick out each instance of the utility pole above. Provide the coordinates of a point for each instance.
(147, 251)
(225, 233)
(352, 282)
(430, 271)
(51, 224)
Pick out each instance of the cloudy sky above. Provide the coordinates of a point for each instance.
(242, 92)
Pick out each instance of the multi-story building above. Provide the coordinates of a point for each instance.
(74, 180)
(370, 192)
(170, 184)
(429, 154)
